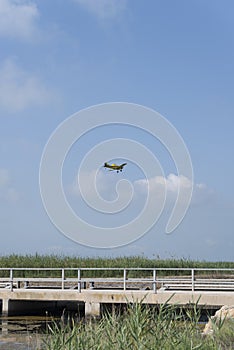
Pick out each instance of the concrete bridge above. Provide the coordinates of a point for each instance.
(36, 289)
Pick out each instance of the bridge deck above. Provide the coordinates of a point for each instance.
(210, 287)
(208, 298)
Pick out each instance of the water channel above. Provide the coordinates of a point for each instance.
(22, 332)
(26, 331)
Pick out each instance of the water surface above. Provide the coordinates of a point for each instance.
(23, 332)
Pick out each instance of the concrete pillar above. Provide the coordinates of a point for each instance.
(92, 310)
(5, 307)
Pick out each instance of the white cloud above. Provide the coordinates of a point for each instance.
(103, 9)
(18, 18)
(19, 89)
(172, 183)
(106, 187)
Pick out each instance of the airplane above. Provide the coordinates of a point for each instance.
(116, 167)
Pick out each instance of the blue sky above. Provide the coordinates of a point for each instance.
(175, 57)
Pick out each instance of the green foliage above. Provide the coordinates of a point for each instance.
(60, 261)
(140, 328)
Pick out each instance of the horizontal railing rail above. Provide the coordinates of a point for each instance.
(124, 278)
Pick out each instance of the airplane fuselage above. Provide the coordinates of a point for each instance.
(114, 166)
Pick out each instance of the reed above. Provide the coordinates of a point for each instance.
(139, 328)
(60, 261)
(37, 260)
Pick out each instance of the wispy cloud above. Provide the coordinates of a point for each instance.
(20, 89)
(158, 185)
(172, 183)
(103, 9)
(107, 186)
(18, 18)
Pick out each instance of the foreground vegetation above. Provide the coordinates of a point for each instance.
(141, 328)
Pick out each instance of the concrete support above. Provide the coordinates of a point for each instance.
(92, 310)
(5, 307)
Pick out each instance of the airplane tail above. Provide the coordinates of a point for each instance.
(105, 164)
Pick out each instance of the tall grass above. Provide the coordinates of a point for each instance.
(139, 328)
(37, 260)
(59, 261)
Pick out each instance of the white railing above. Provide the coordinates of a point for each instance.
(155, 279)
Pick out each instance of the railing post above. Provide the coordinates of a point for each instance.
(154, 281)
(63, 278)
(192, 276)
(125, 278)
(79, 281)
(11, 279)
